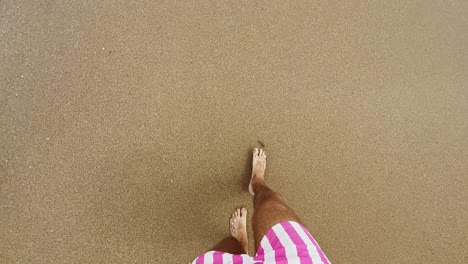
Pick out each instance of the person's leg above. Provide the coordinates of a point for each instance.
(269, 207)
(237, 243)
(229, 245)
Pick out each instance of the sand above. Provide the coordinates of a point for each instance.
(126, 126)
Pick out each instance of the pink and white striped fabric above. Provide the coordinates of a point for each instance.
(286, 242)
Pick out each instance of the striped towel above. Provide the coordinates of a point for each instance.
(286, 242)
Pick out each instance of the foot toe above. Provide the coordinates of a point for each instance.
(244, 212)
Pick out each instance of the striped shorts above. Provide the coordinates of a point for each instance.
(286, 242)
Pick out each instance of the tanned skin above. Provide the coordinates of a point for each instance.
(269, 210)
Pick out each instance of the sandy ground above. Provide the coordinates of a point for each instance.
(126, 127)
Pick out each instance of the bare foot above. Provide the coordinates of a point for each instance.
(238, 226)
(258, 167)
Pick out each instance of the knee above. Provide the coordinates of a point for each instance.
(272, 201)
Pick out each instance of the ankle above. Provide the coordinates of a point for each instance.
(258, 185)
(258, 173)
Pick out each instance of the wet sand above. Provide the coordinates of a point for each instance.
(126, 128)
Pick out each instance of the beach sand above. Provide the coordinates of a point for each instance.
(126, 127)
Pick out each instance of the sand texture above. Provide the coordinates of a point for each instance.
(126, 127)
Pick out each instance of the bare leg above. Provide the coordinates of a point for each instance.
(230, 245)
(270, 209)
(237, 243)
